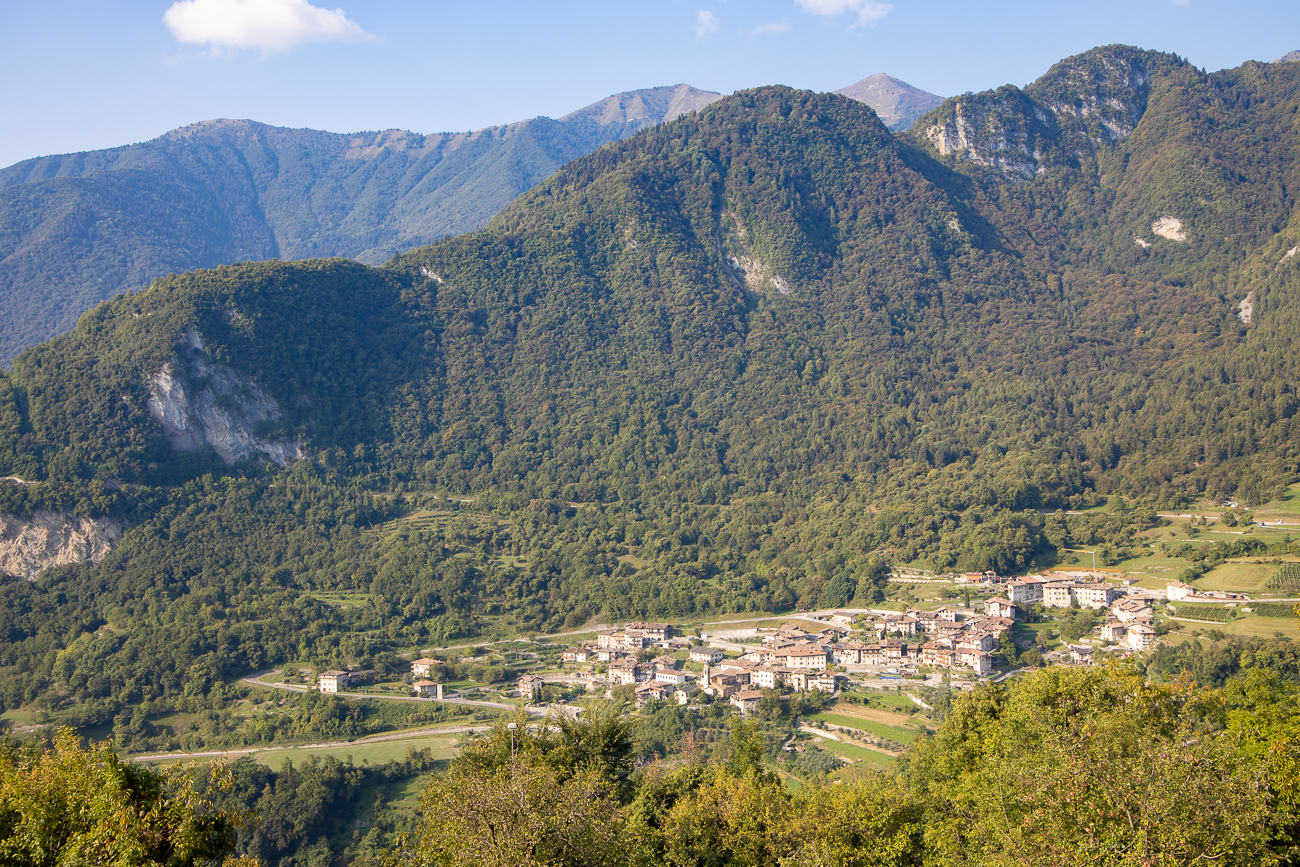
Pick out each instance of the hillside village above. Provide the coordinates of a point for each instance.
(831, 651)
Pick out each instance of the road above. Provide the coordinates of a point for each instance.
(256, 679)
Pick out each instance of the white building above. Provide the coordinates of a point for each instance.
(1025, 591)
(1139, 636)
(423, 667)
(333, 681)
(1060, 594)
(669, 676)
(807, 658)
(707, 655)
(998, 607)
(427, 689)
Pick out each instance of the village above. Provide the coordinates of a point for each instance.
(827, 652)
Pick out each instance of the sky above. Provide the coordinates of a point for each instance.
(86, 74)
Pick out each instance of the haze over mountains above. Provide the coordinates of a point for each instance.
(78, 228)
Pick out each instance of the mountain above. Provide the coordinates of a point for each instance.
(898, 103)
(1289, 57)
(741, 361)
(79, 228)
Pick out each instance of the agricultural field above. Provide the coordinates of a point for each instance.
(1249, 626)
(1209, 613)
(884, 761)
(444, 746)
(894, 733)
(1244, 576)
(859, 713)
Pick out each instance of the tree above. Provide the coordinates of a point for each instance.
(523, 814)
(1090, 767)
(61, 804)
(769, 707)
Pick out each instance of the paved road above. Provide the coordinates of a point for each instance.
(256, 679)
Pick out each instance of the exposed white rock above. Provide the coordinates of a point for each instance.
(1169, 227)
(1141, 243)
(745, 269)
(432, 275)
(224, 413)
(1289, 254)
(1246, 307)
(1009, 152)
(28, 546)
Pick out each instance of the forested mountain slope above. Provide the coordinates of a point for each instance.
(736, 361)
(78, 228)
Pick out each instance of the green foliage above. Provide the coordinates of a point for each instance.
(1287, 577)
(1214, 613)
(642, 431)
(78, 229)
(62, 804)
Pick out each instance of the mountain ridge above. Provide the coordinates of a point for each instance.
(78, 228)
(898, 103)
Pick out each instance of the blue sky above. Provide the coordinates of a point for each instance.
(81, 74)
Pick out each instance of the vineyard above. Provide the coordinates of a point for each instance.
(1287, 578)
(1213, 613)
(1273, 609)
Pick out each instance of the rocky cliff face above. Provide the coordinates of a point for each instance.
(1082, 103)
(1003, 129)
(30, 545)
(200, 403)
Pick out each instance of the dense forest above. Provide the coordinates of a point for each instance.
(740, 361)
(76, 229)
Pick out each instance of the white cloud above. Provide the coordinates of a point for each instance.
(867, 10)
(774, 27)
(271, 25)
(705, 23)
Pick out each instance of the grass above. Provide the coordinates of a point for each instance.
(343, 599)
(373, 753)
(1237, 577)
(880, 730)
(19, 717)
(1250, 626)
(1289, 504)
(850, 751)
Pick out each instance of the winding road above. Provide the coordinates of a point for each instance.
(256, 679)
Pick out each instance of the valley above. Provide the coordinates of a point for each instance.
(759, 458)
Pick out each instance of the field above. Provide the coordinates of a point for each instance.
(1273, 609)
(1286, 579)
(374, 753)
(862, 754)
(1238, 577)
(874, 714)
(1214, 613)
(1289, 504)
(880, 730)
(1249, 626)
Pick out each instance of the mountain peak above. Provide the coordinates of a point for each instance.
(1289, 57)
(897, 103)
(650, 105)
